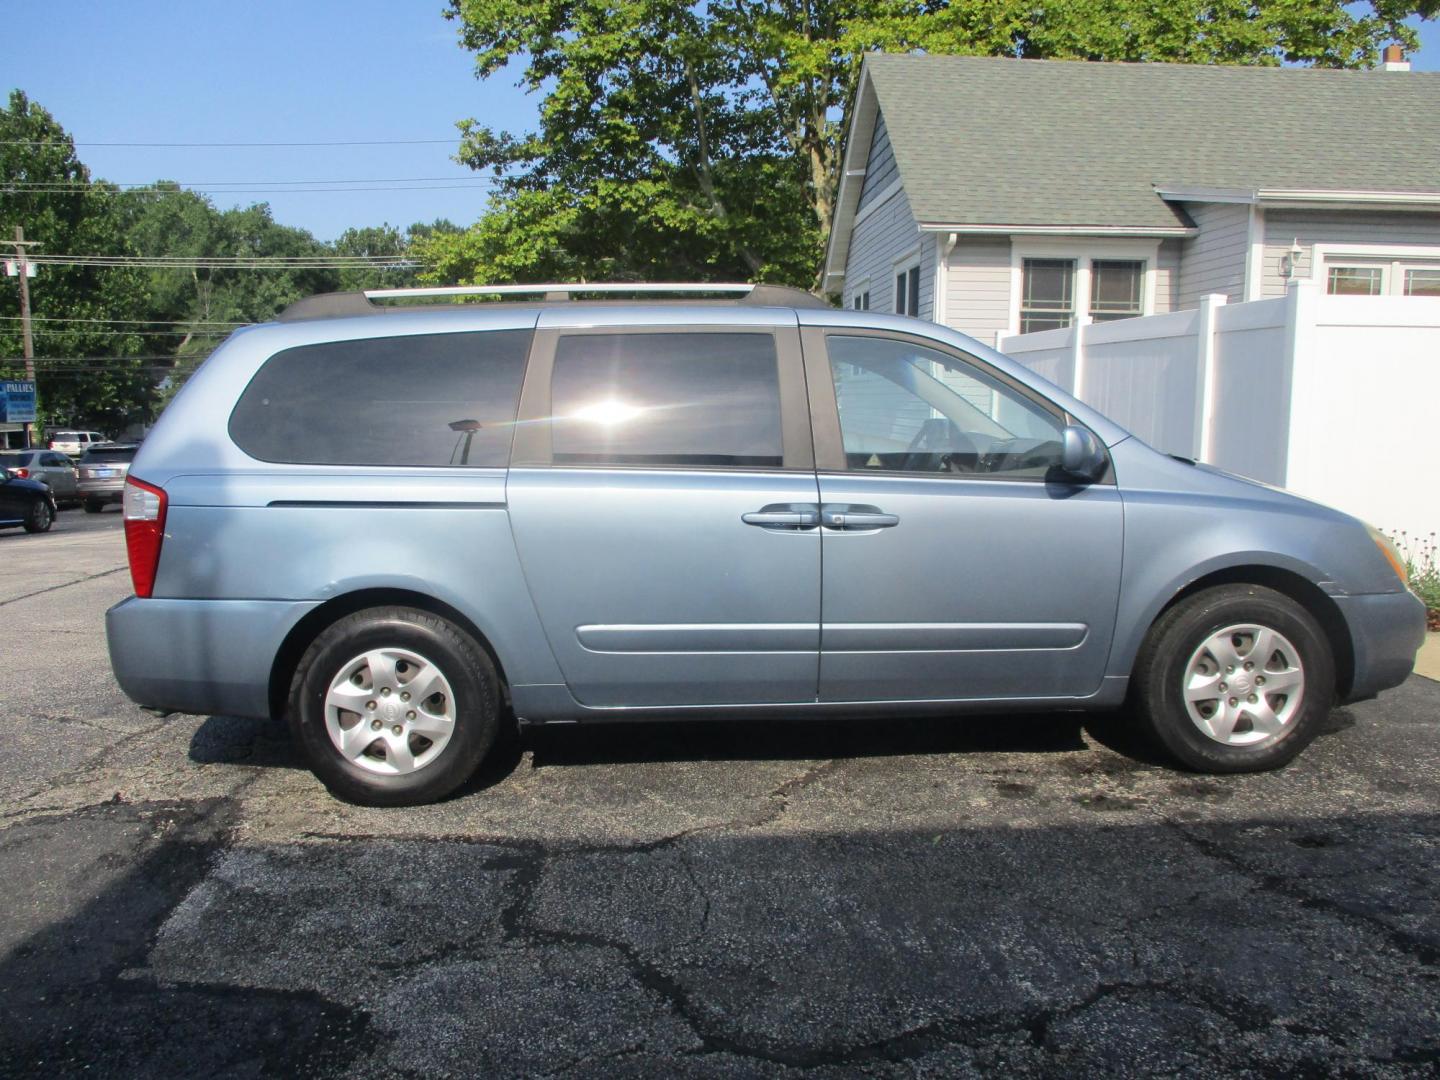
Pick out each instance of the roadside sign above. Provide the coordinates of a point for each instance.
(17, 402)
(12, 268)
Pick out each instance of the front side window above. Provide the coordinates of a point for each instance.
(682, 399)
(1116, 287)
(907, 408)
(1047, 295)
(423, 399)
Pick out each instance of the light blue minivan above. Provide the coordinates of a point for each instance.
(398, 526)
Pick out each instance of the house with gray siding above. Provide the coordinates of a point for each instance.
(1002, 196)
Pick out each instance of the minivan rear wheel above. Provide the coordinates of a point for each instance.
(394, 707)
(1237, 678)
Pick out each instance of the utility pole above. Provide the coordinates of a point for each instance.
(29, 342)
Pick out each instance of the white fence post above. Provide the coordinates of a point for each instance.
(1205, 376)
(1302, 297)
(1077, 356)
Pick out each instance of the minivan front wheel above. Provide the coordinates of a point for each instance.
(394, 707)
(1237, 678)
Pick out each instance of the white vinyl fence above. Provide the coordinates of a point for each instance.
(1333, 397)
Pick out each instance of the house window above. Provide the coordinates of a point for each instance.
(1047, 294)
(1377, 273)
(1116, 289)
(1422, 282)
(1356, 281)
(861, 301)
(907, 291)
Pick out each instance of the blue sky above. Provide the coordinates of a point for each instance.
(264, 71)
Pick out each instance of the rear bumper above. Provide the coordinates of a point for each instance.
(1386, 631)
(110, 489)
(200, 656)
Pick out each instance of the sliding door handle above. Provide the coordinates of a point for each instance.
(783, 516)
(857, 517)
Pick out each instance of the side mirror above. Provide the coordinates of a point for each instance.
(1082, 454)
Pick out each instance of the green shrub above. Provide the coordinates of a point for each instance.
(1422, 563)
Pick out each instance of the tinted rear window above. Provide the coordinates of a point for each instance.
(683, 399)
(101, 454)
(429, 399)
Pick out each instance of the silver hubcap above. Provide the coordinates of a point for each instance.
(390, 711)
(1244, 684)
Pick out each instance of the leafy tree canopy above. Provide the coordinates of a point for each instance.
(81, 310)
(113, 342)
(703, 140)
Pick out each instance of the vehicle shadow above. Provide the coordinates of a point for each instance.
(660, 741)
(267, 743)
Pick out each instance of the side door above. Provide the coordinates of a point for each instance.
(60, 475)
(960, 562)
(14, 499)
(663, 499)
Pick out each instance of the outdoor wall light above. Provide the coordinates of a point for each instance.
(1290, 261)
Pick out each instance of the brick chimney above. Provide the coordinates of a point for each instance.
(1394, 59)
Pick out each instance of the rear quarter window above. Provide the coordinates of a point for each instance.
(428, 399)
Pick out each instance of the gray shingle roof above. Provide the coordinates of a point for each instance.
(984, 141)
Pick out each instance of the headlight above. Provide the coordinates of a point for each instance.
(1391, 553)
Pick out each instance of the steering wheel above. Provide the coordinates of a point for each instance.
(940, 436)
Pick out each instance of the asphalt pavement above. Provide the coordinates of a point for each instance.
(1016, 895)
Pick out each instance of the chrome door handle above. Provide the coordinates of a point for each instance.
(857, 517)
(783, 516)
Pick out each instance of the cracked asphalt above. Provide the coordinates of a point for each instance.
(1021, 896)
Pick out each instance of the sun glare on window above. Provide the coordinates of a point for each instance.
(607, 413)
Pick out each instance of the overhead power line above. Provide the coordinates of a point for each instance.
(151, 192)
(199, 333)
(163, 184)
(380, 263)
(224, 260)
(136, 322)
(225, 145)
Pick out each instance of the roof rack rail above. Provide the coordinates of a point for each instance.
(329, 305)
(565, 290)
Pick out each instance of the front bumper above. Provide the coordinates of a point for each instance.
(1386, 631)
(200, 656)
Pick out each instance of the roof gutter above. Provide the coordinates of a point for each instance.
(1161, 231)
(1300, 197)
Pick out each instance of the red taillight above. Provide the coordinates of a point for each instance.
(144, 507)
(23, 474)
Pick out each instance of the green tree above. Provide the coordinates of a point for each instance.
(704, 140)
(91, 366)
(386, 242)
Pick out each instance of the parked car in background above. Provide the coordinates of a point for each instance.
(49, 467)
(400, 527)
(27, 503)
(102, 474)
(74, 443)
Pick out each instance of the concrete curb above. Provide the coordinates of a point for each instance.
(1427, 662)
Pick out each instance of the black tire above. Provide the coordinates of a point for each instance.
(458, 657)
(93, 506)
(40, 516)
(1165, 664)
